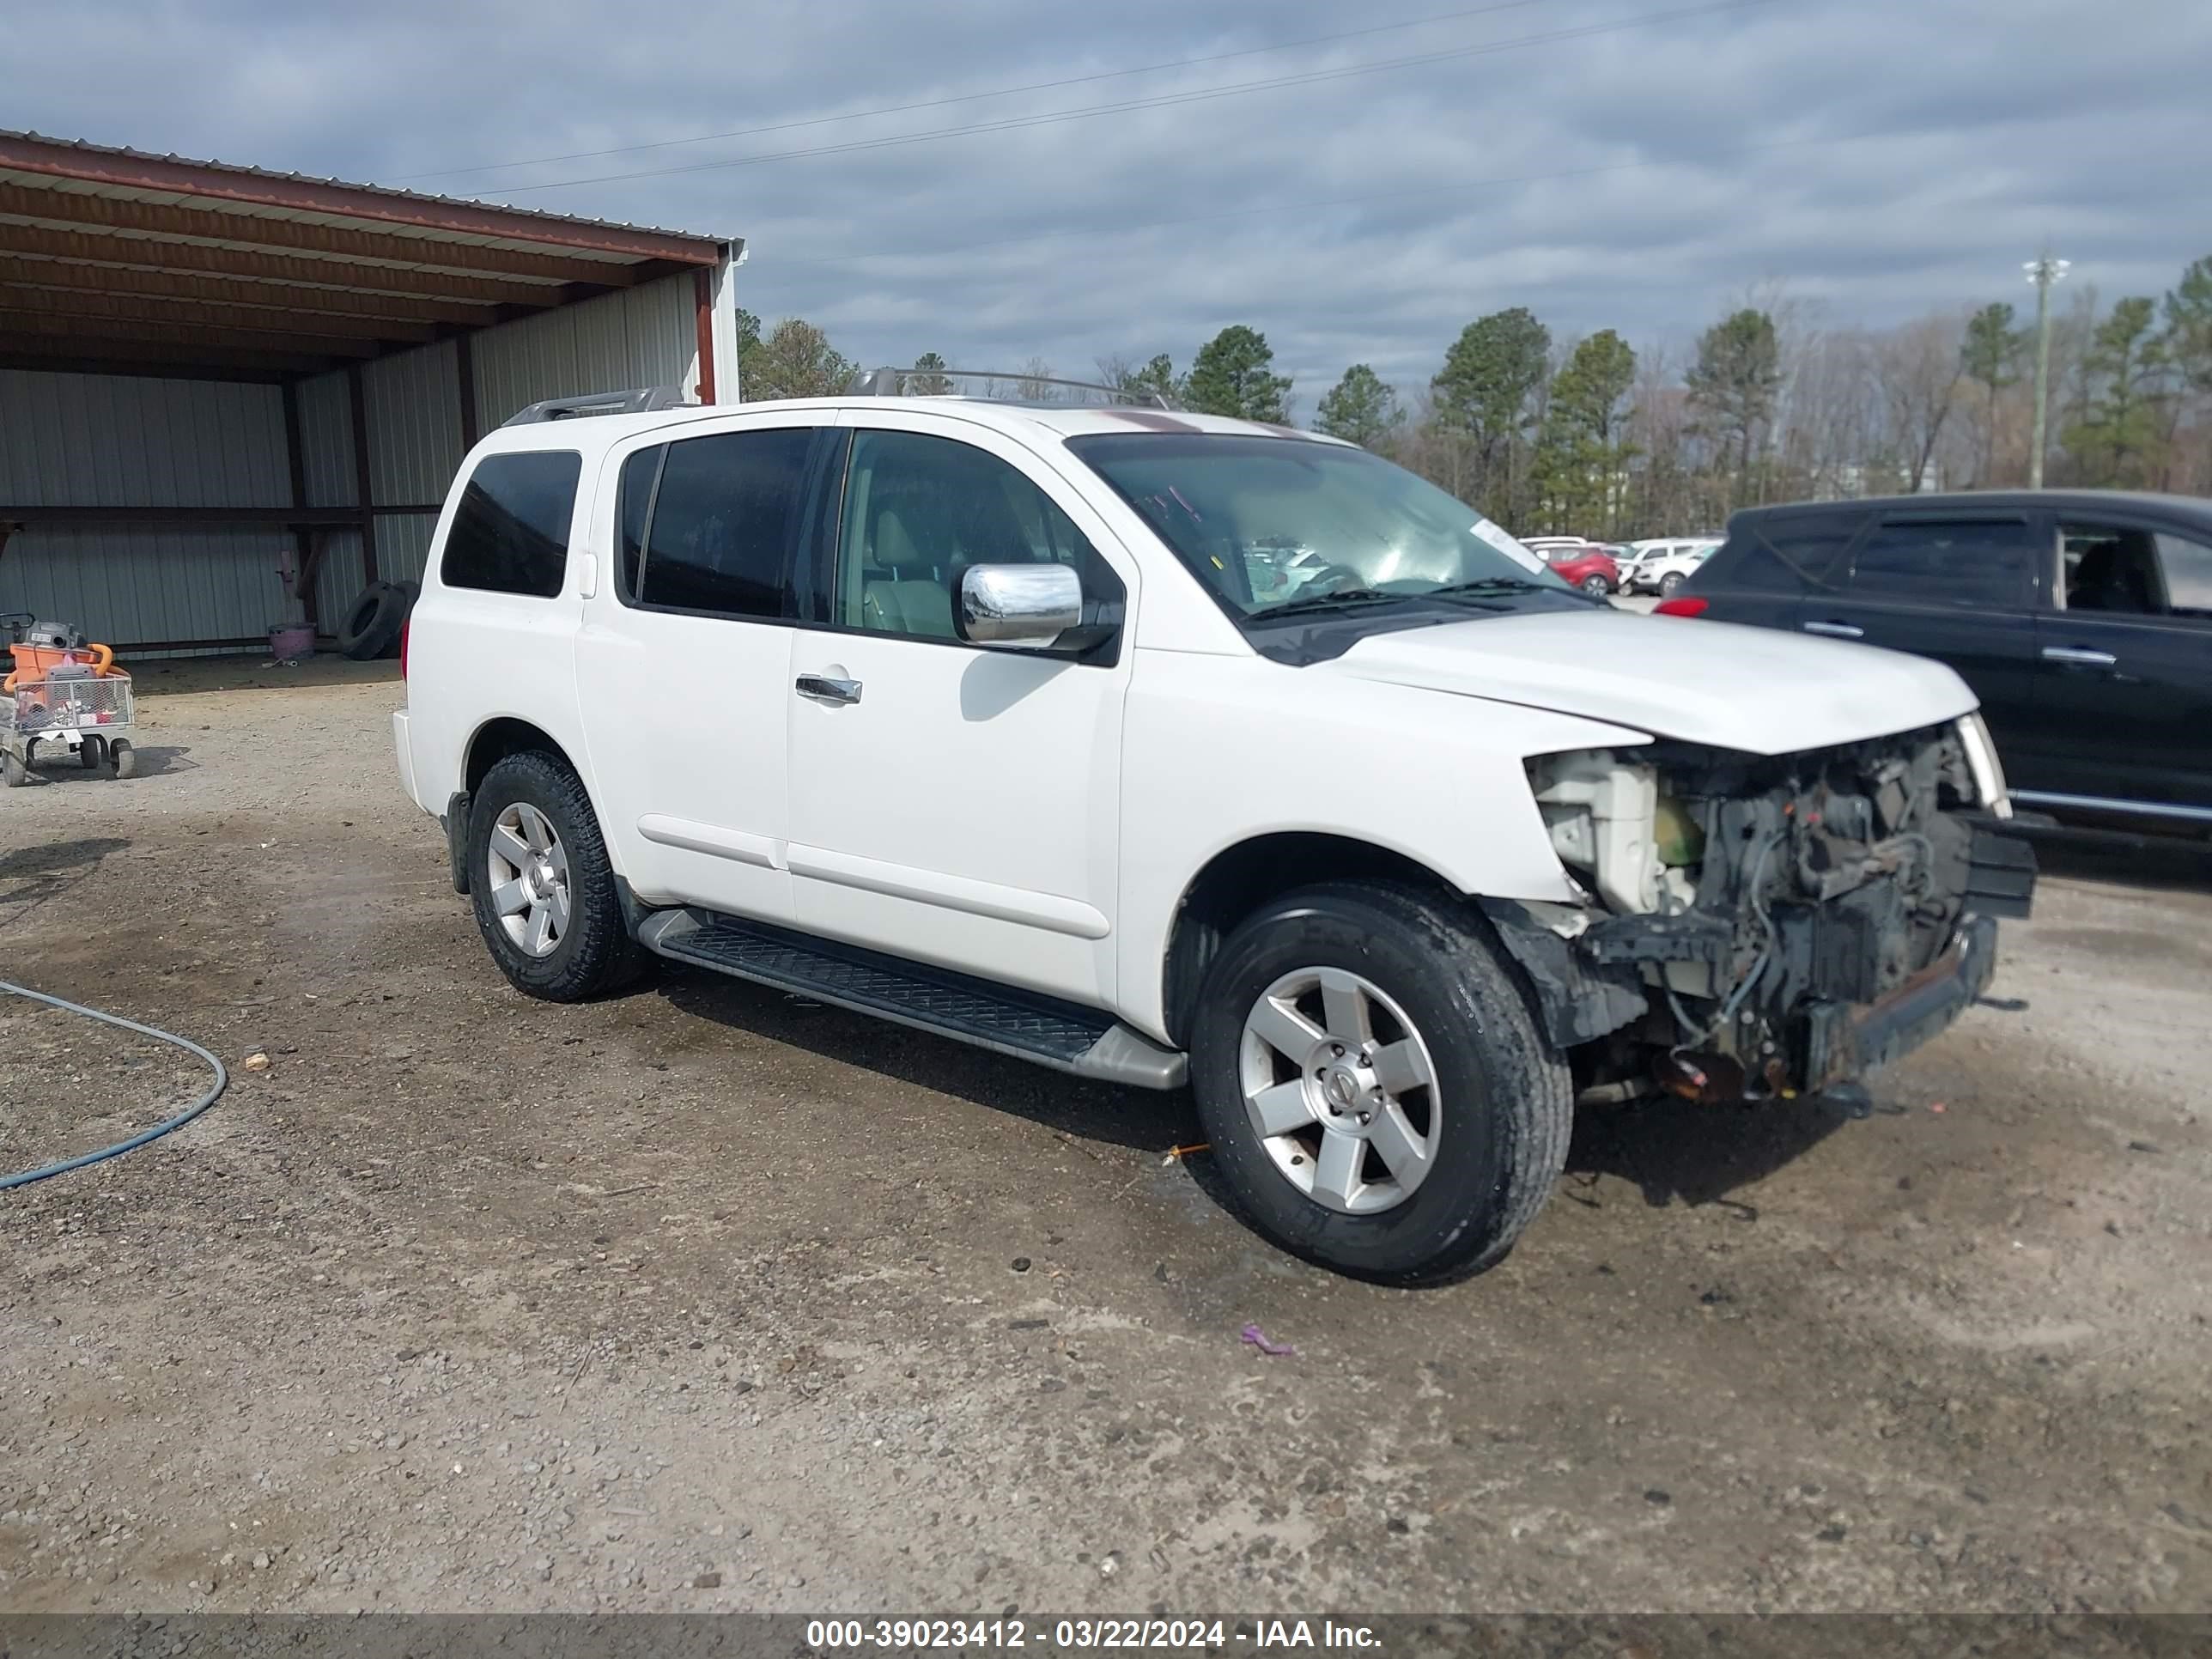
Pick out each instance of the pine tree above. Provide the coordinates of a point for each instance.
(1734, 383)
(926, 378)
(1580, 450)
(1360, 408)
(1233, 374)
(1482, 394)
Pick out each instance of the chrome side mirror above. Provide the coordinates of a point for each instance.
(1018, 606)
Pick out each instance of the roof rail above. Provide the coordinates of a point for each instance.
(642, 400)
(999, 386)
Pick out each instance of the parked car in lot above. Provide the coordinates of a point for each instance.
(978, 718)
(1585, 566)
(2082, 619)
(1632, 553)
(1663, 567)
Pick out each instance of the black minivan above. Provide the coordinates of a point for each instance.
(2082, 619)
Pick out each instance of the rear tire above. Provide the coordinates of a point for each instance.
(122, 758)
(13, 772)
(1493, 1117)
(530, 797)
(92, 753)
(1667, 584)
(1596, 586)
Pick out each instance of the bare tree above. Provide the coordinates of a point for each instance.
(1437, 448)
(1819, 422)
(1917, 368)
(1035, 386)
(1665, 494)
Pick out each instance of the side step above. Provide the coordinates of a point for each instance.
(1064, 1035)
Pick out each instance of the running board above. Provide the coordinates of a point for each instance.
(1064, 1035)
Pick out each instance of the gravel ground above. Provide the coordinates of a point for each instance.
(703, 1297)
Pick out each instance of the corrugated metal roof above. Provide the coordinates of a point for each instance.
(112, 255)
(239, 171)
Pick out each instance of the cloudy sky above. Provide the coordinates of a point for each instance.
(1357, 181)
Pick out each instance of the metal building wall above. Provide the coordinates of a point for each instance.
(114, 440)
(326, 466)
(644, 336)
(72, 439)
(326, 440)
(412, 402)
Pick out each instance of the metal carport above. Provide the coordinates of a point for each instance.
(205, 368)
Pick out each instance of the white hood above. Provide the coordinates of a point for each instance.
(1748, 688)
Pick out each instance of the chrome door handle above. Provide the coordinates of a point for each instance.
(1836, 631)
(2079, 656)
(822, 689)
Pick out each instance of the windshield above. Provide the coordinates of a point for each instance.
(1285, 525)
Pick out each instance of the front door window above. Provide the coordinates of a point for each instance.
(2134, 571)
(1976, 564)
(919, 510)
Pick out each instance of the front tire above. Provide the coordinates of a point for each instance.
(1596, 586)
(542, 884)
(1423, 1119)
(1670, 582)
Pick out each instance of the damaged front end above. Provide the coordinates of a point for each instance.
(1758, 925)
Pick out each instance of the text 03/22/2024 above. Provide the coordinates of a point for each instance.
(1216, 1635)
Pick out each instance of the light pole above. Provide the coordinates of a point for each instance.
(2043, 273)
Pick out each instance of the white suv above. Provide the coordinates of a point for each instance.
(1663, 567)
(1002, 722)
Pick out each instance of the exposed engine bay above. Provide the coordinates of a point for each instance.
(1757, 924)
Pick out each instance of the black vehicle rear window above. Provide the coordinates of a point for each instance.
(510, 533)
(1789, 554)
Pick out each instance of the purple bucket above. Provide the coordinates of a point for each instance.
(294, 642)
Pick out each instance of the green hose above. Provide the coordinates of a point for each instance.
(24, 1178)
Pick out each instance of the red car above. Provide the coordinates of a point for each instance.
(1590, 568)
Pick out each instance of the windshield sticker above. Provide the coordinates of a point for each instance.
(1505, 544)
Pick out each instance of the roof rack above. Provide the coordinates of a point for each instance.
(642, 400)
(999, 386)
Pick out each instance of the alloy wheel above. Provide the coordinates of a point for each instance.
(528, 869)
(1341, 1091)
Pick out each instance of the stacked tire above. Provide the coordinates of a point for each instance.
(374, 621)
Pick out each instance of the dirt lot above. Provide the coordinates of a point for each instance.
(703, 1297)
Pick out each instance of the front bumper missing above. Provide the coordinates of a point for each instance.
(1823, 1044)
(1844, 1041)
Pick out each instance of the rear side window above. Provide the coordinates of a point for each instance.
(510, 533)
(720, 531)
(640, 473)
(1778, 556)
(1988, 564)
